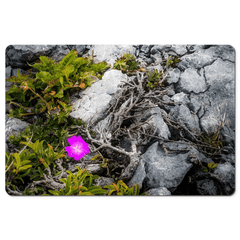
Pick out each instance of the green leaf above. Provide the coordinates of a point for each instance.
(68, 70)
(215, 165)
(25, 162)
(85, 194)
(59, 94)
(18, 164)
(68, 182)
(44, 76)
(56, 193)
(205, 169)
(61, 81)
(68, 59)
(25, 167)
(210, 165)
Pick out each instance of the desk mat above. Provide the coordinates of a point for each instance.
(148, 120)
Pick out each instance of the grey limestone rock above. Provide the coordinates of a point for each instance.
(20, 55)
(155, 119)
(221, 94)
(59, 52)
(174, 76)
(157, 58)
(229, 158)
(110, 53)
(189, 119)
(14, 126)
(96, 98)
(228, 135)
(180, 97)
(227, 173)
(103, 181)
(8, 72)
(179, 49)
(161, 191)
(159, 169)
(203, 57)
(94, 168)
(191, 81)
(207, 187)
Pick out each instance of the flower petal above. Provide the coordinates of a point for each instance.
(79, 156)
(72, 140)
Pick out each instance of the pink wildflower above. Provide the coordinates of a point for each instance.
(78, 147)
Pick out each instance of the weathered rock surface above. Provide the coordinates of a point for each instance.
(181, 97)
(228, 135)
(110, 53)
(174, 76)
(8, 72)
(183, 114)
(227, 173)
(161, 191)
(220, 76)
(20, 55)
(155, 119)
(158, 169)
(103, 181)
(192, 81)
(207, 187)
(14, 126)
(95, 99)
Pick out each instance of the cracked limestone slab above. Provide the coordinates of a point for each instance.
(159, 169)
(221, 94)
(192, 81)
(110, 53)
(14, 126)
(96, 98)
(189, 119)
(203, 57)
(161, 191)
(154, 118)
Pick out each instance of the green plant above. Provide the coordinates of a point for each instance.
(154, 78)
(213, 140)
(79, 184)
(210, 167)
(172, 61)
(50, 131)
(127, 64)
(17, 165)
(49, 88)
(122, 189)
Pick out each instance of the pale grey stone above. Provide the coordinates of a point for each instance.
(97, 97)
(174, 76)
(110, 53)
(221, 78)
(156, 67)
(179, 49)
(94, 168)
(103, 181)
(191, 81)
(155, 119)
(139, 175)
(8, 71)
(180, 97)
(157, 58)
(198, 59)
(158, 169)
(189, 119)
(14, 126)
(227, 173)
(161, 191)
